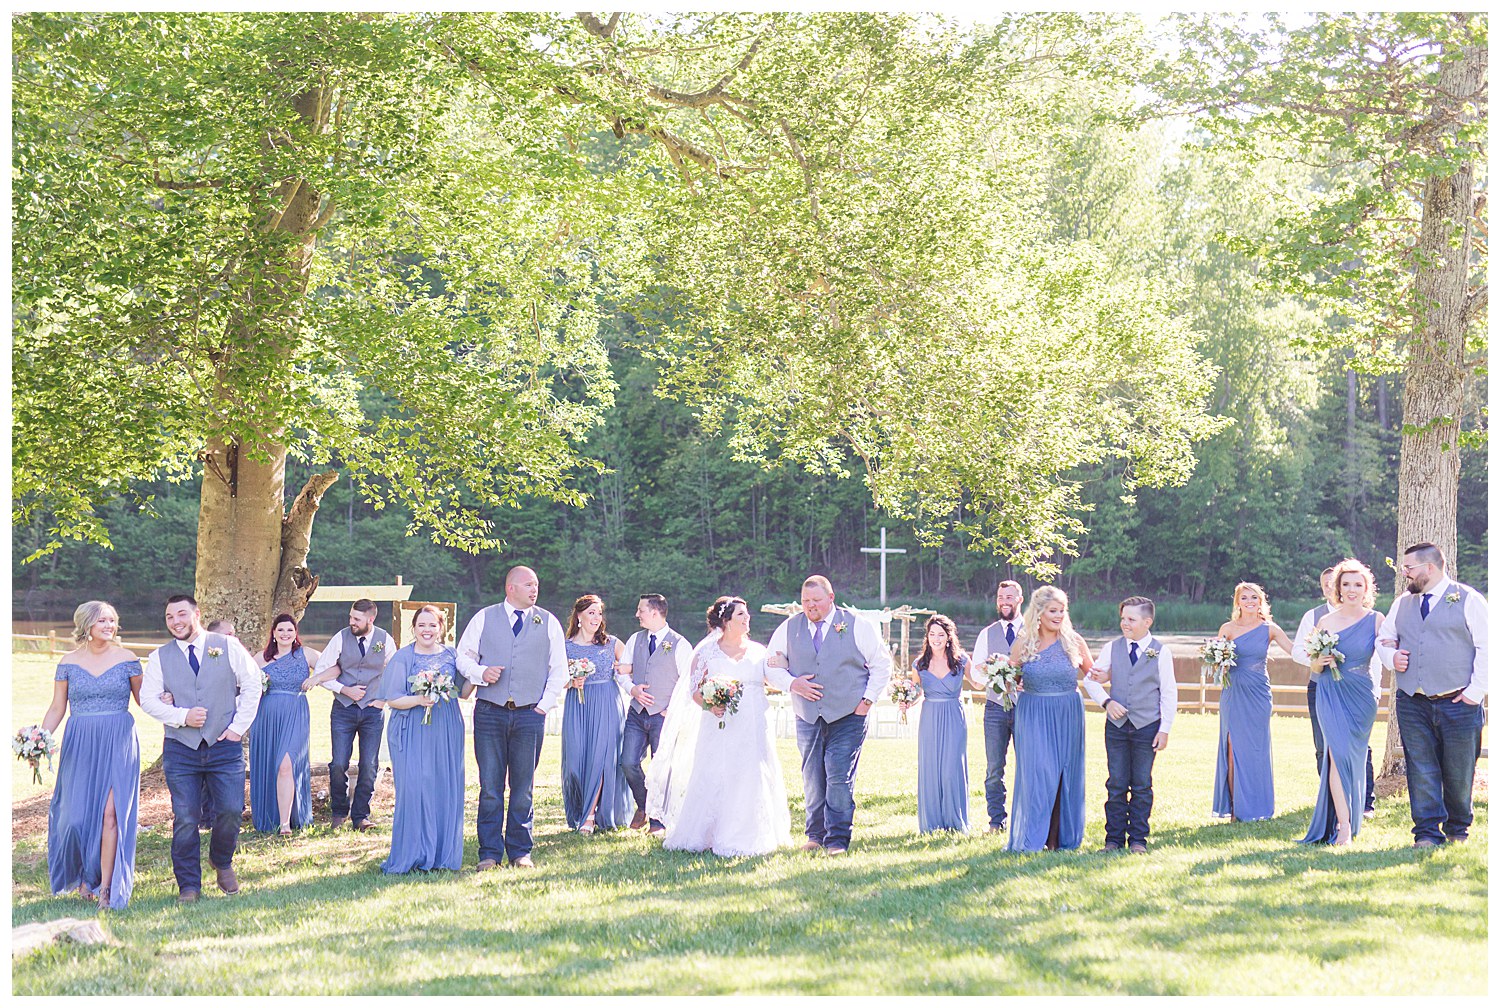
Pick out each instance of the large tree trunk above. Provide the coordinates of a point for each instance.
(1436, 375)
(252, 555)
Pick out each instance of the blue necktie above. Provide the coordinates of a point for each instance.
(515, 628)
(651, 644)
(818, 639)
(361, 642)
(1133, 646)
(1010, 634)
(1426, 605)
(192, 659)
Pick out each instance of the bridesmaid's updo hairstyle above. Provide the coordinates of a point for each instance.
(601, 636)
(1349, 565)
(269, 654)
(722, 609)
(954, 649)
(89, 613)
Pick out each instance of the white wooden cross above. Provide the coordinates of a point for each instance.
(883, 551)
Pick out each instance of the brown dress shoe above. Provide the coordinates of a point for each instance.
(1109, 847)
(227, 881)
(1424, 842)
(187, 896)
(364, 824)
(812, 845)
(639, 819)
(486, 864)
(338, 822)
(1137, 847)
(524, 861)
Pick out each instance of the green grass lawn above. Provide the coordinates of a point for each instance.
(1213, 909)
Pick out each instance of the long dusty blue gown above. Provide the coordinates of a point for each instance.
(1245, 729)
(281, 729)
(593, 734)
(942, 754)
(427, 766)
(1049, 754)
(99, 754)
(1346, 713)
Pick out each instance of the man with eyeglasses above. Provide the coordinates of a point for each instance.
(1436, 638)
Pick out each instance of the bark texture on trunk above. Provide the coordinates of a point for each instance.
(1436, 373)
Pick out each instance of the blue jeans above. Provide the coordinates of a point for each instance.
(1127, 805)
(1318, 747)
(642, 733)
(344, 723)
(1441, 739)
(999, 725)
(507, 747)
(217, 770)
(830, 755)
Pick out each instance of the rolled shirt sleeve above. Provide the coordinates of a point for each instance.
(557, 665)
(468, 650)
(151, 689)
(328, 659)
(248, 676)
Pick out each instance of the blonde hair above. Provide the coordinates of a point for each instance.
(1349, 565)
(1265, 602)
(89, 613)
(1030, 644)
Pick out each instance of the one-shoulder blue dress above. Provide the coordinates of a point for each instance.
(1245, 731)
(1346, 712)
(1049, 754)
(281, 729)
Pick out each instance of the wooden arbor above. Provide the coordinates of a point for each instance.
(403, 607)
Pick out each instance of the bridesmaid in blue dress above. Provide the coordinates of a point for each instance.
(595, 792)
(280, 776)
(427, 760)
(92, 819)
(942, 734)
(1047, 810)
(1243, 786)
(1346, 706)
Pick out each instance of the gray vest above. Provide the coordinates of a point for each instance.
(524, 656)
(213, 688)
(657, 672)
(1317, 614)
(839, 667)
(1441, 646)
(365, 670)
(1137, 687)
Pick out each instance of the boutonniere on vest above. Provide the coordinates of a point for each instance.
(1451, 597)
(537, 619)
(666, 645)
(378, 646)
(1151, 652)
(214, 652)
(840, 627)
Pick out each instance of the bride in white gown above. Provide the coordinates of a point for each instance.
(720, 789)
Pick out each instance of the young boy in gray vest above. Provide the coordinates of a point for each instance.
(1439, 632)
(351, 666)
(1301, 657)
(1139, 708)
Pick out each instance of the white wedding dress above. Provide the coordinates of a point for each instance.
(720, 789)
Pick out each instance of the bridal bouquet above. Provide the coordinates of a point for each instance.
(724, 693)
(904, 691)
(31, 744)
(1000, 676)
(1217, 657)
(1324, 644)
(435, 684)
(580, 668)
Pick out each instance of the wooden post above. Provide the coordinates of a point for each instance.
(51, 643)
(1202, 690)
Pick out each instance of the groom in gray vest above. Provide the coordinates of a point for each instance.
(351, 666)
(835, 666)
(515, 653)
(1440, 630)
(659, 656)
(217, 681)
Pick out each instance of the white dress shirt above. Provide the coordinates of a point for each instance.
(330, 657)
(1304, 631)
(984, 646)
(682, 655)
(1476, 615)
(1168, 679)
(246, 675)
(557, 665)
(867, 640)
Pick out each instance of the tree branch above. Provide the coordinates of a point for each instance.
(1477, 301)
